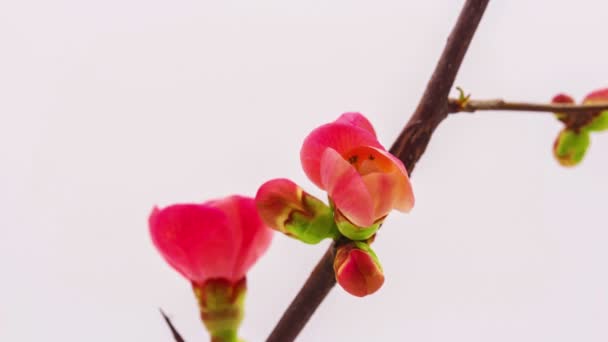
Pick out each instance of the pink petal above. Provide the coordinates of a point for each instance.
(597, 96)
(385, 178)
(195, 240)
(337, 136)
(346, 188)
(357, 120)
(251, 235)
(394, 185)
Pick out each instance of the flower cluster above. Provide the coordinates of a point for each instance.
(572, 142)
(363, 182)
(214, 244)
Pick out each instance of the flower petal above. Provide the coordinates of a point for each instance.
(251, 234)
(346, 188)
(195, 240)
(357, 120)
(337, 136)
(391, 189)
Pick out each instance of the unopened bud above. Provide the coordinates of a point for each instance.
(285, 207)
(357, 269)
(570, 147)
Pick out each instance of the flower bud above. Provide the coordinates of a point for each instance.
(357, 269)
(599, 122)
(221, 305)
(570, 147)
(285, 207)
(562, 99)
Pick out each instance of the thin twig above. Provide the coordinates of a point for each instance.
(176, 336)
(408, 147)
(470, 106)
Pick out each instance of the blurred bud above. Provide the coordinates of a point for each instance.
(357, 269)
(285, 207)
(352, 231)
(562, 99)
(600, 120)
(570, 147)
(221, 303)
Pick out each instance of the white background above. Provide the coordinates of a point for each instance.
(110, 107)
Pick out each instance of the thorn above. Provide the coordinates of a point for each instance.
(176, 335)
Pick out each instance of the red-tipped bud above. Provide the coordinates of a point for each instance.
(357, 269)
(562, 98)
(285, 207)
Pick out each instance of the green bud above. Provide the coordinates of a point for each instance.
(570, 147)
(599, 123)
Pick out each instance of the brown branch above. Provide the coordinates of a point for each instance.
(433, 107)
(313, 292)
(470, 106)
(408, 147)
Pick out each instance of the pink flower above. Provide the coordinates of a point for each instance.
(219, 239)
(363, 180)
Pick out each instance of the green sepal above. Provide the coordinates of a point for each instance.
(313, 229)
(357, 233)
(221, 305)
(364, 245)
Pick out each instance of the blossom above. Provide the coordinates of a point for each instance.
(213, 245)
(219, 239)
(362, 179)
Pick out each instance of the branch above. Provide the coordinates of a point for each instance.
(313, 292)
(408, 147)
(433, 107)
(470, 106)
